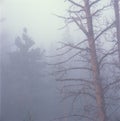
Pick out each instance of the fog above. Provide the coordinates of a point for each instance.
(36, 15)
(40, 99)
(38, 50)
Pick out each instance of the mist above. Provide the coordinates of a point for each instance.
(59, 60)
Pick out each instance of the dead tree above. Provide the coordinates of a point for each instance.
(85, 14)
(117, 24)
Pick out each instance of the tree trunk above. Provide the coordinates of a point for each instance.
(117, 23)
(95, 67)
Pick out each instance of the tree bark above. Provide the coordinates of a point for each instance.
(94, 64)
(117, 24)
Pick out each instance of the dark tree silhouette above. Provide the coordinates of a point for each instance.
(21, 79)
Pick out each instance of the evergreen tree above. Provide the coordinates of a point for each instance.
(21, 79)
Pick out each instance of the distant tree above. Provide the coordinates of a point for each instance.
(27, 57)
(21, 78)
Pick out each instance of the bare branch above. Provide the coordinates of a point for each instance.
(74, 68)
(94, 2)
(79, 93)
(106, 55)
(75, 11)
(113, 112)
(75, 115)
(104, 30)
(81, 27)
(111, 84)
(77, 85)
(75, 46)
(77, 4)
(61, 54)
(99, 10)
(67, 51)
(66, 59)
(75, 79)
(66, 44)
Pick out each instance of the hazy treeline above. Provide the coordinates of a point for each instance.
(28, 89)
(83, 72)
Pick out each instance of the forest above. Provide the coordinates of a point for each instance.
(77, 79)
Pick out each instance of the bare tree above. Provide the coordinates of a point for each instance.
(117, 24)
(87, 14)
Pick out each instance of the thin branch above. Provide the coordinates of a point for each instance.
(66, 59)
(75, 46)
(74, 68)
(75, 79)
(74, 115)
(77, 4)
(81, 27)
(99, 10)
(111, 84)
(61, 54)
(94, 2)
(104, 30)
(77, 85)
(106, 55)
(63, 43)
(80, 93)
(75, 11)
(113, 112)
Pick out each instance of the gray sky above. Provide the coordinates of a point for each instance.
(36, 15)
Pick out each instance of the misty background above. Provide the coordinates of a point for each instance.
(35, 44)
(19, 99)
